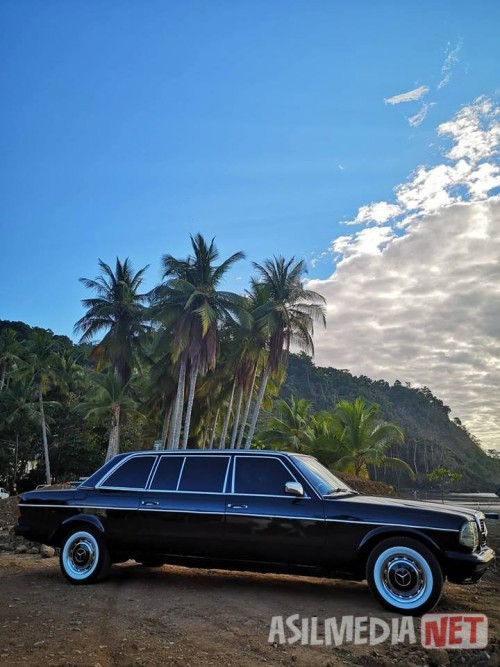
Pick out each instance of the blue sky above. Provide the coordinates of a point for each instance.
(125, 126)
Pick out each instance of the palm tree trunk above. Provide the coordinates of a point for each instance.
(225, 425)
(44, 437)
(258, 403)
(214, 426)
(175, 425)
(236, 418)
(114, 434)
(166, 425)
(246, 413)
(193, 376)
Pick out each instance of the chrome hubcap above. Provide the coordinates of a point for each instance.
(403, 578)
(81, 556)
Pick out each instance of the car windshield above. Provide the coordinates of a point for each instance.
(320, 477)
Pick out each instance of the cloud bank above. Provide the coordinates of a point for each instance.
(416, 292)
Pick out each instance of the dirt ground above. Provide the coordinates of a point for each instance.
(179, 617)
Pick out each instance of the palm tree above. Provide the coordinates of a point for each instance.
(364, 438)
(109, 400)
(43, 362)
(19, 410)
(196, 307)
(288, 318)
(292, 426)
(118, 309)
(10, 349)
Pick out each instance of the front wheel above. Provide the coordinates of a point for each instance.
(84, 557)
(404, 576)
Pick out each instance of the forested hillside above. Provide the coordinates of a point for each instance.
(432, 439)
(78, 436)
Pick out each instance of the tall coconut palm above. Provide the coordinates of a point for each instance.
(10, 350)
(108, 399)
(364, 438)
(117, 310)
(197, 307)
(43, 363)
(288, 318)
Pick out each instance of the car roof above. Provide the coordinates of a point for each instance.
(214, 452)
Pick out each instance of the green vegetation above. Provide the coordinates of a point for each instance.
(187, 364)
(443, 477)
(191, 365)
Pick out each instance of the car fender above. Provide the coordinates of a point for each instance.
(373, 537)
(75, 519)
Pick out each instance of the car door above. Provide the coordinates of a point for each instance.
(182, 512)
(263, 522)
(115, 499)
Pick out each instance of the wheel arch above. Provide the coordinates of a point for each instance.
(377, 535)
(83, 520)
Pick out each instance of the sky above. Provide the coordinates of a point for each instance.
(360, 136)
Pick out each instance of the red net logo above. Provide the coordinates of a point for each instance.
(454, 631)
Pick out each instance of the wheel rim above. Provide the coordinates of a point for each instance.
(403, 577)
(80, 555)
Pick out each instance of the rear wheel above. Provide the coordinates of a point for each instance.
(404, 576)
(84, 557)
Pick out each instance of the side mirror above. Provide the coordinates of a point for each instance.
(294, 489)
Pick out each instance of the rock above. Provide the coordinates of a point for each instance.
(34, 550)
(47, 552)
(438, 658)
(21, 549)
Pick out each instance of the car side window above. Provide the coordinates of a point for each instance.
(260, 476)
(167, 473)
(133, 474)
(204, 474)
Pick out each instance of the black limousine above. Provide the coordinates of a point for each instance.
(246, 510)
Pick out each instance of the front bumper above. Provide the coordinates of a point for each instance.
(467, 568)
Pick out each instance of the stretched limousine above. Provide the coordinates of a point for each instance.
(276, 511)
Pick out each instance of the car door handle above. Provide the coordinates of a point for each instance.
(150, 503)
(237, 507)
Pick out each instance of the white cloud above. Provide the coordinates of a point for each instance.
(422, 303)
(450, 61)
(369, 241)
(378, 212)
(411, 96)
(414, 121)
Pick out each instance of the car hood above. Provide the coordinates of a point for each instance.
(395, 510)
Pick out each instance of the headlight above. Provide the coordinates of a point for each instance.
(469, 535)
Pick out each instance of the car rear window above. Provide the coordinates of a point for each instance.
(204, 474)
(133, 474)
(167, 473)
(260, 476)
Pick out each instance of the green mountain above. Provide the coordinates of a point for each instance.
(432, 439)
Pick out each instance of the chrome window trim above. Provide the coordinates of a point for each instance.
(150, 481)
(227, 473)
(218, 493)
(102, 482)
(180, 474)
(261, 495)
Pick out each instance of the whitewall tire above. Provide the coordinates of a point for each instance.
(84, 557)
(405, 576)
